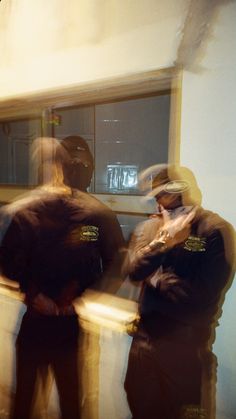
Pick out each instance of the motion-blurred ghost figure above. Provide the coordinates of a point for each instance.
(184, 257)
(55, 244)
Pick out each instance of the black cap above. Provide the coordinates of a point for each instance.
(79, 166)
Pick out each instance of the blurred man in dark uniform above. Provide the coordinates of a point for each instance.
(58, 242)
(78, 170)
(184, 257)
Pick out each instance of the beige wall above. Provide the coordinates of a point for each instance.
(49, 44)
(58, 42)
(208, 146)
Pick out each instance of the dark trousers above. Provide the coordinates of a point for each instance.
(163, 379)
(47, 342)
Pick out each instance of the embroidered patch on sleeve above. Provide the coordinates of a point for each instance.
(193, 412)
(82, 233)
(195, 244)
(89, 233)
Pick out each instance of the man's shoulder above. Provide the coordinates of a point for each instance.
(18, 208)
(91, 204)
(217, 229)
(28, 209)
(212, 221)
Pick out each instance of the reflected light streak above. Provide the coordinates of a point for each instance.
(111, 312)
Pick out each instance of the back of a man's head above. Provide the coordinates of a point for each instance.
(78, 167)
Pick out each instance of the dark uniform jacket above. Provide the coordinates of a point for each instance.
(192, 277)
(57, 244)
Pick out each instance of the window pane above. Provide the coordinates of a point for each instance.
(130, 136)
(16, 139)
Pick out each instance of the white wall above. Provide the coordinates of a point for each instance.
(208, 147)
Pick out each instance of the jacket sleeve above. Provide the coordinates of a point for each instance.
(215, 273)
(14, 253)
(111, 248)
(201, 293)
(140, 265)
(112, 241)
(199, 284)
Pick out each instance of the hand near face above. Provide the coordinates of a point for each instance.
(179, 228)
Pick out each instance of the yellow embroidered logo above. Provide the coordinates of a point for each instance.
(195, 244)
(89, 233)
(193, 412)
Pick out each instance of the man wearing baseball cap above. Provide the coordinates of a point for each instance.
(183, 256)
(56, 243)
